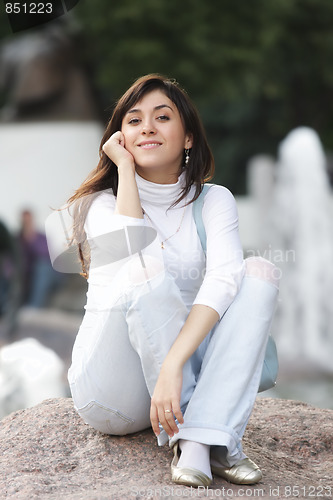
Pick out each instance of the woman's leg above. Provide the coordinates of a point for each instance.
(118, 353)
(106, 380)
(222, 401)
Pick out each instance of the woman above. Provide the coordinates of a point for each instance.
(171, 336)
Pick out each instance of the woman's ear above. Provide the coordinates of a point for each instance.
(188, 141)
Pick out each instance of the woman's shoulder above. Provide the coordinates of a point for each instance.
(219, 203)
(219, 194)
(103, 204)
(103, 200)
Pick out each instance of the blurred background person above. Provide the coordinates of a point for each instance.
(10, 283)
(6, 266)
(39, 279)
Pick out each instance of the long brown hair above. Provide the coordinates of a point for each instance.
(199, 169)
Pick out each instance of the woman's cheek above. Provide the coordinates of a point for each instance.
(127, 142)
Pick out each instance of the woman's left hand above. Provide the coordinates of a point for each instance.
(165, 402)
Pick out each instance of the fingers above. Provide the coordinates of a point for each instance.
(154, 419)
(177, 412)
(115, 149)
(116, 138)
(167, 420)
(121, 139)
(165, 414)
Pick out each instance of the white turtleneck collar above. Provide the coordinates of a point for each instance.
(159, 194)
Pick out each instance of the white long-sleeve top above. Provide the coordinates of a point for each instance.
(212, 279)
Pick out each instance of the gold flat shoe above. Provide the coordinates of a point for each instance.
(187, 475)
(244, 472)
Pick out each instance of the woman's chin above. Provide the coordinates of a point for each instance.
(158, 174)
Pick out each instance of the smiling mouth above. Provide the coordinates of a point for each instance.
(149, 145)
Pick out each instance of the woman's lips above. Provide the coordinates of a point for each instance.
(149, 145)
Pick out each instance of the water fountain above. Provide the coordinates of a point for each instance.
(29, 373)
(301, 235)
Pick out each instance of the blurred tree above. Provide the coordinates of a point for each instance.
(255, 69)
(5, 33)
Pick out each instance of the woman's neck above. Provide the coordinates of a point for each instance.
(159, 193)
(158, 177)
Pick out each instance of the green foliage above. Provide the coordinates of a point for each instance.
(254, 68)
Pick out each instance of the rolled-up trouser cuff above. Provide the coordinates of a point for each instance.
(215, 437)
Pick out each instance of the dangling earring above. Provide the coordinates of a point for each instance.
(187, 156)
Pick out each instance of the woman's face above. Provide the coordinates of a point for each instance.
(155, 136)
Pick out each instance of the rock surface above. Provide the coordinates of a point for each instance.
(47, 452)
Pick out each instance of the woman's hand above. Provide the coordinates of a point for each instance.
(114, 148)
(128, 200)
(165, 402)
(168, 387)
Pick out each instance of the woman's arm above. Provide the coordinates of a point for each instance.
(200, 321)
(128, 201)
(224, 272)
(225, 265)
(108, 215)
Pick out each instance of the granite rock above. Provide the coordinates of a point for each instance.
(47, 452)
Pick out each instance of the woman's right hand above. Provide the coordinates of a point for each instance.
(114, 148)
(128, 200)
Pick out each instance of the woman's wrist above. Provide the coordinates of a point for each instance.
(126, 167)
(197, 325)
(175, 360)
(128, 200)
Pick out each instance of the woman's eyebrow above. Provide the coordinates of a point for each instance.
(156, 108)
(161, 106)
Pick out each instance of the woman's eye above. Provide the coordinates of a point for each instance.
(134, 121)
(163, 118)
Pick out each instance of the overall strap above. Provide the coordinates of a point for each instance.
(197, 215)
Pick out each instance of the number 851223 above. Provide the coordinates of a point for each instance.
(28, 8)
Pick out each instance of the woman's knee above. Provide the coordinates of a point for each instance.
(263, 269)
(107, 420)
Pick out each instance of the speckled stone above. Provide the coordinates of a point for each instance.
(47, 452)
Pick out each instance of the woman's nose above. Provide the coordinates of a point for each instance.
(148, 128)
